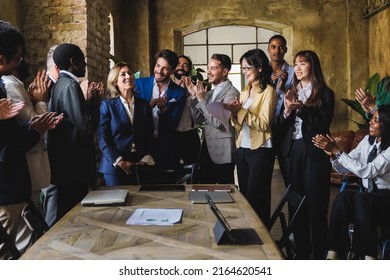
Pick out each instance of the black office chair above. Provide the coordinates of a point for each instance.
(9, 244)
(35, 220)
(150, 174)
(295, 202)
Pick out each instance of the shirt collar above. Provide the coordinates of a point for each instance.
(70, 75)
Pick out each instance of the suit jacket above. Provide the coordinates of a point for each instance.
(71, 145)
(220, 142)
(15, 141)
(168, 120)
(314, 121)
(116, 134)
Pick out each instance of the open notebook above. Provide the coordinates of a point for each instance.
(105, 198)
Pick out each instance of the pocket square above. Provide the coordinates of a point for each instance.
(172, 100)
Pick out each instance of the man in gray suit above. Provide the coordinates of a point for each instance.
(217, 157)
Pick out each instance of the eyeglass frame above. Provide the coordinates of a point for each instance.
(246, 69)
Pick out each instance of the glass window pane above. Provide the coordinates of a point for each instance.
(264, 48)
(265, 34)
(197, 54)
(195, 38)
(222, 49)
(232, 34)
(236, 68)
(239, 50)
(236, 80)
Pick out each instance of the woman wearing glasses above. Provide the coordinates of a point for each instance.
(252, 117)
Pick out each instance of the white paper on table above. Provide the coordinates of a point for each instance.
(216, 109)
(155, 216)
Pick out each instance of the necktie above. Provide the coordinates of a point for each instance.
(371, 186)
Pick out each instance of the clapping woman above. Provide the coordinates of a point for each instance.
(252, 117)
(125, 132)
(367, 210)
(307, 111)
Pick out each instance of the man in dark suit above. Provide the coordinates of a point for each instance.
(15, 140)
(71, 146)
(167, 101)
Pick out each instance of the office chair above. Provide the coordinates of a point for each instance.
(9, 244)
(295, 202)
(150, 174)
(34, 220)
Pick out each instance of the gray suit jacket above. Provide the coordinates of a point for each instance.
(220, 143)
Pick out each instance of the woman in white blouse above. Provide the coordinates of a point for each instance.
(368, 209)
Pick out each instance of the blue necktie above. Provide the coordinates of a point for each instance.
(371, 186)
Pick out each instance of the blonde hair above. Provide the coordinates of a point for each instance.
(112, 79)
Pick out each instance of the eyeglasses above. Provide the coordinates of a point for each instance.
(246, 69)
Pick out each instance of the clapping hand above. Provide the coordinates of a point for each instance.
(366, 100)
(291, 102)
(48, 120)
(326, 143)
(233, 107)
(8, 109)
(38, 89)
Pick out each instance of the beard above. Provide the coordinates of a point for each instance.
(180, 73)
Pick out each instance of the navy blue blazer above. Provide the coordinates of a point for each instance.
(168, 120)
(116, 134)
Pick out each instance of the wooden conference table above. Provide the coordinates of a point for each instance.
(98, 233)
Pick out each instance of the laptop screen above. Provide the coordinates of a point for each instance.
(217, 213)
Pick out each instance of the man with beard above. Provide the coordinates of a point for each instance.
(71, 145)
(217, 156)
(185, 137)
(35, 104)
(167, 101)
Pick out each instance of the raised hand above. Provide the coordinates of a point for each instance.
(200, 90)
(8, 109)
(366, 100)
(233, 107)
(38, 89)
(326, 143)
(48, 120)
(190, 86)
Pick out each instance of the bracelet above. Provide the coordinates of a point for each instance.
(373, 110)
(338, 155)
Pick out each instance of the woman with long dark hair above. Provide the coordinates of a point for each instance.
(307, 111)
(367, 210)
(252, 116)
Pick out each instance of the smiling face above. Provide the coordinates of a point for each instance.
(216, 73)
(125, 82)
(162, 71)
(375, 126)
(250, 72)
(302, 69)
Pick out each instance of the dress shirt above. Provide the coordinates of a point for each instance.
(290, 70)
(70, 75)
(217, 90)
(156, 94)
(356, 162)
(303, 94)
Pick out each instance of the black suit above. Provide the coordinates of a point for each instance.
(308, 171)
(71, 145)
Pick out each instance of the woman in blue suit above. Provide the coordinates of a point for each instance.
(125, 132)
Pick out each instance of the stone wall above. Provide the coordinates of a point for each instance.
(52, 22)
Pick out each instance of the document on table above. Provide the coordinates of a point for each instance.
(216, 109)
(153, 216)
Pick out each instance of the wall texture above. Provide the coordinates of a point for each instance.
(11, 11)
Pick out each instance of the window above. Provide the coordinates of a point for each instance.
(230, 40)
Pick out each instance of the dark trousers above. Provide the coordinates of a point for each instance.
(187, 146)
(366, 211)
(310, 178)
(254, 170)
(69, 196)
(212, 173)
(50, 204)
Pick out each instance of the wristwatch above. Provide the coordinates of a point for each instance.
(338, 154)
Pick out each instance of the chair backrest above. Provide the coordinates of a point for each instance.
(147, 174)
(35, 220)
(295, 202)
(8, 244)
